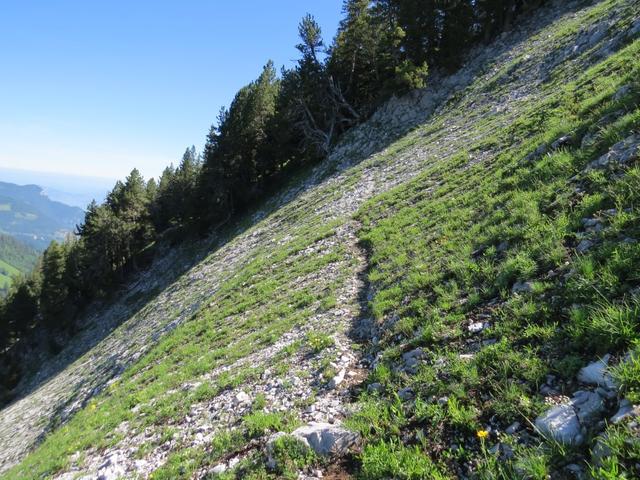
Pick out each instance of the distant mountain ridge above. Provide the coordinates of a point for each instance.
(32, 217)
(74, 190)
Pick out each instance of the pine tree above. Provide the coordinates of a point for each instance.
(54, 291)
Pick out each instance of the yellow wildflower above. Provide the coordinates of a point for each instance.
(482, 434)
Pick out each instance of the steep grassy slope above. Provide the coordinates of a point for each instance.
(508, 275)
(471, 230)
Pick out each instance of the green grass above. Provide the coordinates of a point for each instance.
(254, 308)
(525, 220)
(444, 250)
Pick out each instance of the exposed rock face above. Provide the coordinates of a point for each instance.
(570, 422)
(112, 469)
(621, 153)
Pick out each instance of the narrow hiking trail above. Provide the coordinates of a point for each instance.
(274, 362)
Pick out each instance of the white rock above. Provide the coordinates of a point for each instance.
(561, 424)
(624, 411)
(112, 468)
(218, 469)
(326, 439)
(337, 380)
(476, 327)
(242, 398)
(596, 374)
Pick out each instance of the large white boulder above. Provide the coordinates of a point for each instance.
(561, 424)
(327, 439)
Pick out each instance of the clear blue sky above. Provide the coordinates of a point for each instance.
(99, 87)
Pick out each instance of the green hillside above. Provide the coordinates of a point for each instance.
(15, 258)
(462, 267)
(33, 218)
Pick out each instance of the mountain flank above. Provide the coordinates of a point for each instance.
(452, 293)
(27, 214)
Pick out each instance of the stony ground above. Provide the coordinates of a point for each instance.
(283, 370)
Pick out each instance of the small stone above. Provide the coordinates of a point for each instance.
(374, 387)
(600, 449)
(576, 470)
(337, 380)
(522, 287)
(476, 327)
(621, 153)
(561, 142)
(406, 394)
(413, 354)
(242, 398)
(622, 92)
(218, 469)
(513, 428)
(584, 246)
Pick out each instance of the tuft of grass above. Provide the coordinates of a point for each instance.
(393, 460)
(318, 341)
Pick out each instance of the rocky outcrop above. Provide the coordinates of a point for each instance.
(622, 153)
(323, 439)
(571, 422)
(326, 439)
